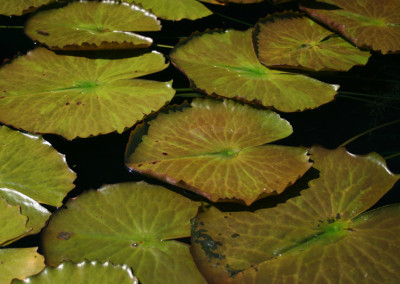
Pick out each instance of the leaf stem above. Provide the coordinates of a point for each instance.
(190, 95)
(11, 27)
(368, 95)
(164, 46)
(365, 100)
(184, 90)
(233, 19)
(391, 156)
(368, 131)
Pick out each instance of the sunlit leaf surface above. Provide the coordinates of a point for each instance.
(37, 214)
(174, 9)
(83, 273)
(295, 40)
(19, 7)
(75, 96)
(373, 24)
(12, 222)
(318, 237)
(92, 25)
(30, 166)
(216, 149)
(130, 223)
(19, 263)
(225, 64)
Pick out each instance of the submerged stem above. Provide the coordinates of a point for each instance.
(233, 19)
(11, 27)
(368, 131)
(392, 156)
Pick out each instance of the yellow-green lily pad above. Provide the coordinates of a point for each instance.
(83, 273)
(92, 25)
(224, 63)
(19, 7)
(217, 149)
(372, 24)
(19, 263)
(321, 236)
(129, 223)
(30, 166)
(291, 39)
(174, 9)
(13, 223)
(43, 92)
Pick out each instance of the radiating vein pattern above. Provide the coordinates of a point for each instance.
(217, 149)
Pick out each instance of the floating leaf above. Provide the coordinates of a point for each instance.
(83, 273)
(19, 263)
(174, 10)
(74, 96)
(318, 237)
(225, 64)
(30, 166)
(13, 223)
(19, 7)
(37, 214)
(294, 40)
(92, 25)
(215, 149)
(373, 24)
(130, 223)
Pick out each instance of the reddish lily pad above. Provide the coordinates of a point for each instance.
(225, 64)
(217, 149)
(19, 263)
(174, 10)
(295, 40)
(130, 223)
(92, 25)
(319, 236)
(83, 273)
(74, 96)
(372, 24)
(19, 7)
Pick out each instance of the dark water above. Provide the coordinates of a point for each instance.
(99, 160)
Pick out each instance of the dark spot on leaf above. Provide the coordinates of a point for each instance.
(255, 268)
(202, 223)
(165, 154)
(232, 272)
(337, 216)
(226, 217)
(140, 165)
(155, 162)
(208, 245)
(235, 235)
(78, 103)
(156, 141)
(2, 97)
(42, 32)
(64, 235)
(67, 104)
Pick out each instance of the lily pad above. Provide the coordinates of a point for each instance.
(225, 64)
(92, 25)
(37, 214)
(217, 149)
(318, 237)
(13, 223)
(30, 166)
(42, 92)
(19, 263)
(129, 223)
(173, 9)
(83, 273)
(19, 7)
(372, 24)
(295, 40)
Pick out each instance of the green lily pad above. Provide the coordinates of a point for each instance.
(37, 214)
(74, 96)
(92, 25)
(19, 7)
(30, 166)
(129, 223)
(225, 64)
(294, 40)
(174, 10)
(83, 273)
(318, 237)
(19, 263)
(217, 149)
(13, 223)
(366, 23)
